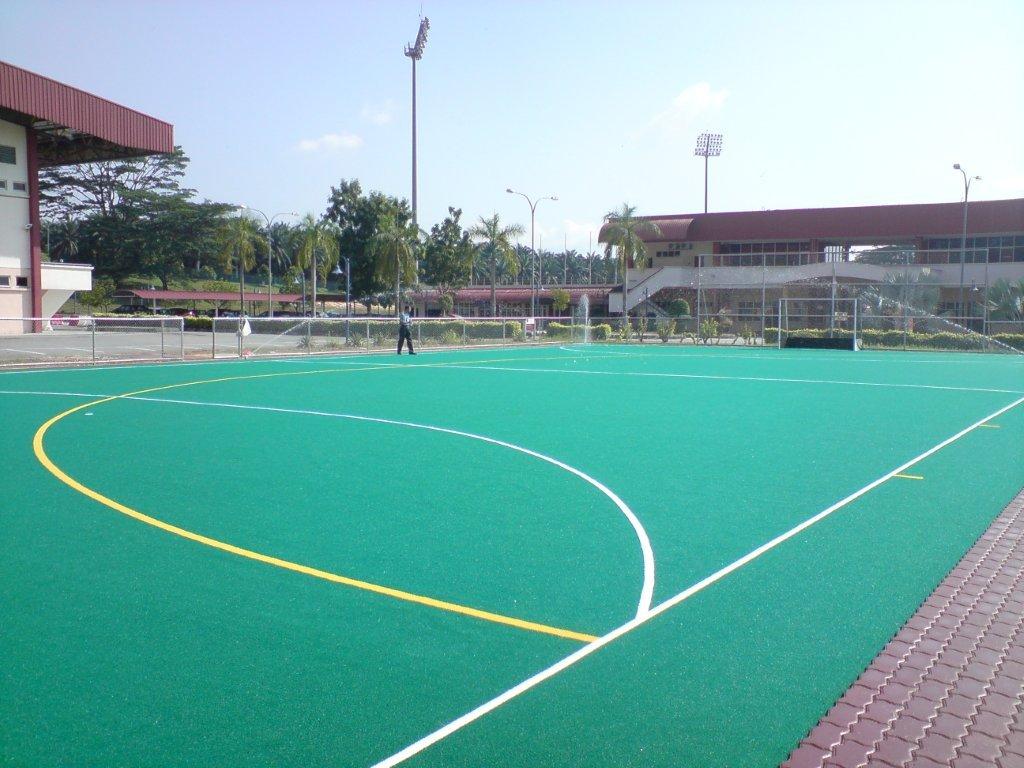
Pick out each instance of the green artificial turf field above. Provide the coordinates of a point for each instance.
(326, 561)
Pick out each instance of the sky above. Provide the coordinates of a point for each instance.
(598, 103)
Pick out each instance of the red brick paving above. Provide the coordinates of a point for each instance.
(948, 690)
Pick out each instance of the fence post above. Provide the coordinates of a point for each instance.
(309, 334)
(181, 337)
(367, 336)
(161, 338)
(93, 326)
(464, 339)
(213, 337)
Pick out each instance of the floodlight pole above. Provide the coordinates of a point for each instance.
(963, 235)
(415, 53)
(533, 211)
(708, 145)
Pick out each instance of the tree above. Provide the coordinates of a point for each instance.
(1006, 300)
(106, 189)
(560, 299)
(318, 250)
(678, 308)
(448, 255)
(101, 296)
(358, 217)
(393, 252)
(625, 231)
(494, 248)
(238, 247)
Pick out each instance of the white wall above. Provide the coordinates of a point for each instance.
(14, 238)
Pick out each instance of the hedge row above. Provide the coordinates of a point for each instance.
(873, 337)
(357, 327)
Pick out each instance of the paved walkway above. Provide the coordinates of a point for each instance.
(948, 690)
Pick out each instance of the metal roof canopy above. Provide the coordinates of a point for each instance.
(874, 223)
(73, 126)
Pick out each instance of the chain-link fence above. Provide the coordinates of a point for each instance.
(70, 340)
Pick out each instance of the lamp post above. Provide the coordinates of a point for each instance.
(270, 251)
(415, 53)
(708, 145)
(533, 217)
(963, 234)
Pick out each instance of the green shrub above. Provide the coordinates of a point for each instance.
(708, 330)
(625, 328)
(642, 324)
(747, 334)
(450, 337)
(600, 332)
(678, 308)
(881, 338)
(665, 330)
(555, 330)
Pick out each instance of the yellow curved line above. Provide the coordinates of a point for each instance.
(44, 459)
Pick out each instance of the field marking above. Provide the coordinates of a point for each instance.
(25, 351)
(914, 477)
(443, 732)
(675, 351)
(647, 553)
(484, 367)
(647, 590)
(990, 426)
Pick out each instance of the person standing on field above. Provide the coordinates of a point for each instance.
(405, 329)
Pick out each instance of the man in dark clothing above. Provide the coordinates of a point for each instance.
(405, 329)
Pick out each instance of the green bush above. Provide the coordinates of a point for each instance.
(708, 330)
(642, 324)
(600, 332)
(450, 337)
(678, 308)
(555, 330)
(665, 330)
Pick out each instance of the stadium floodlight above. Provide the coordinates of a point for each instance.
(963, 236)
(533, 211)
(708, 145)
(415, 53)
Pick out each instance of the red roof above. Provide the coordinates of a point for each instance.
(159, 295)
(75, 125)
(864, 223)
(519, 293)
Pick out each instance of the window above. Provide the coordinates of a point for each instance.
(7, 154)
(5, 281)
(21, 282)
(3, 184)
(19, 186)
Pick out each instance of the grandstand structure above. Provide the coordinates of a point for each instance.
(742, 263)
(44, 123)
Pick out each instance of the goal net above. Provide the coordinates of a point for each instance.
(822, 323)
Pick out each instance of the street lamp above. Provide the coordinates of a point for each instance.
(348, 284)
(963, 235)
(533, 211)
(708, 145)
(415, 53)
(270, 252)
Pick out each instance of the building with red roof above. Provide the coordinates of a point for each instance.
(44, 123)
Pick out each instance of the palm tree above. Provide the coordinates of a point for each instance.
(238, 248)
(625, 231)
(1006, 300)
(494, 245)
(318, 249)
(393, 252)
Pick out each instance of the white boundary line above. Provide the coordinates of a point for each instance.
(677, 352)
(647, 553)
(531, 682)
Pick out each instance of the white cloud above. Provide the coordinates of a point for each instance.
(330, 142)
(696, 101)
(378, 114)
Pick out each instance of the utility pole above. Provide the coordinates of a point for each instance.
(963, 236)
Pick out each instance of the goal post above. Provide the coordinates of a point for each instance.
(820, 323)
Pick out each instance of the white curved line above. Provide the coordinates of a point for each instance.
(646, 591)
